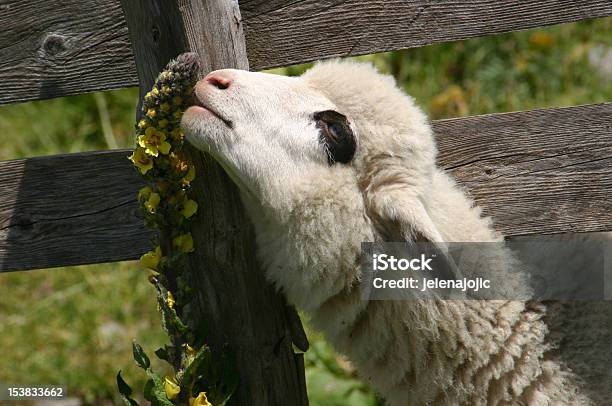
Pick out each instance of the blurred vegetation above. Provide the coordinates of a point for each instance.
(74, 326)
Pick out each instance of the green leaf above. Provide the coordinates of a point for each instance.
(125, 391)
(162, 353)
(170, 320)
(220, 378)
(229, 377)
(140, 357)
(192, 369)
(224, 401)
(148, 389)
(157, 391)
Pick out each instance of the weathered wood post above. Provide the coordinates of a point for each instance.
(244, 313)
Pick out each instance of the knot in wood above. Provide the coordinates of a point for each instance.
(54, 44)
(155, 34)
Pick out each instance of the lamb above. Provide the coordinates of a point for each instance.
(341, 155)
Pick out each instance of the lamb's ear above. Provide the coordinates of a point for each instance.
(402, 220)
(397, 216)
(400, 217)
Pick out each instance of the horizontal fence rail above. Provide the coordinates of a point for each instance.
(58, 48)
(290, 32)
(535, 172)
(70, 209)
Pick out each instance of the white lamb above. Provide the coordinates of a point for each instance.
(339, 156)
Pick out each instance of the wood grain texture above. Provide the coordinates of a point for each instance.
(56, 48)
(291, 32)
(535, 172)
(245, 316)
(580, 330)
(540, 171)
(69, 210)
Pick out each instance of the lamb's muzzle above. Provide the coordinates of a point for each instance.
(220, 79)
(313, 202)
(214, 81)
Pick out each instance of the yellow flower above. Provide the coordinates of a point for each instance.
(141, 160)
(151, 259)
(170, 300)
(191, 352)
(151, 113)
(163, 123)
(166, 90)
(190, 175)
(177, 134)
(154, 142)
(165, 107)
(178, 163)
(178, 114)
(201, 400)
(189, 208)
(142, 124)
(152, 202)
(144, 193)
(171, 387)
(183, 243)
(150, 96)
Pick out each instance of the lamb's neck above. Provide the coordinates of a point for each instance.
(310, 248)
(452, 352)
(413, 352)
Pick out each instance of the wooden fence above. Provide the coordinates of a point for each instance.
(535, 172)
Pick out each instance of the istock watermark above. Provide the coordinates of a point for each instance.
(529, 269)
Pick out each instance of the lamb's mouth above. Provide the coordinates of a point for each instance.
(198, 104)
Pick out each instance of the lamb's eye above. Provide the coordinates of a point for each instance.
(336, 136)
(335, 131)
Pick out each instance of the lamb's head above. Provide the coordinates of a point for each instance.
(340, 122)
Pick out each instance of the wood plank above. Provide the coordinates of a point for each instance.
(245, 315)
(291, 32)
(535, 172)
(69, 210)
(57, 48)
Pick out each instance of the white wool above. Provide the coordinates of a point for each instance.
(311, 217)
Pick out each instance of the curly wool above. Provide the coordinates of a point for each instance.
(417, 352)
(310, 219)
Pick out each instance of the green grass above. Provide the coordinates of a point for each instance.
(74, 326)
(68, 124)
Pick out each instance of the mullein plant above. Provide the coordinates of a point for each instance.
(166, 206)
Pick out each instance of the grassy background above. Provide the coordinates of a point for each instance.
(74, 325)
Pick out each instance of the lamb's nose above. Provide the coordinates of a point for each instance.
(219, 79)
